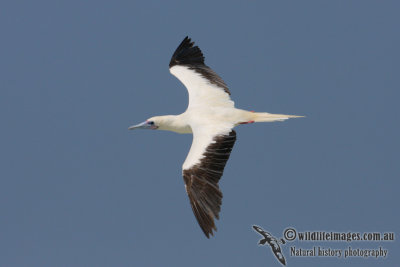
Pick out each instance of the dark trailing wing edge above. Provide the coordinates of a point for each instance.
(201, 182)
(191, 56)
(273, 242)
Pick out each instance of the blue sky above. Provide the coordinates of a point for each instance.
(78, 189)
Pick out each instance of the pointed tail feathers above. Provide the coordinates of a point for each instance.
(268, 117)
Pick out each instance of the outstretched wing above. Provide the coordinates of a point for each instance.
(273, 242)
(213, 138)
(259, 230)
(205, 87)
(276, 249)
(202, 170)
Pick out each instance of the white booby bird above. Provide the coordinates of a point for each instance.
(210, 117)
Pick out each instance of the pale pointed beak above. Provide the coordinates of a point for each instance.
(143, 125)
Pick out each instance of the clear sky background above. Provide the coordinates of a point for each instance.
(78, 189)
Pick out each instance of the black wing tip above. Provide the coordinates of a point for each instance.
(205, 200)
(209, 230)
(187, 54)
(209, 233)
(257, 228)
(191, 56)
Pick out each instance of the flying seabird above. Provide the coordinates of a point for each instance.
(210, 117)
(273, 242)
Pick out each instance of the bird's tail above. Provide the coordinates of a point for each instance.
(268, 117)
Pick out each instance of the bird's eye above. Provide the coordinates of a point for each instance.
(151, 122)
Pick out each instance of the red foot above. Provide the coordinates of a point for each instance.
(247, 122)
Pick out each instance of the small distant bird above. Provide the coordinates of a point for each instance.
(210, 117)
(273, 242)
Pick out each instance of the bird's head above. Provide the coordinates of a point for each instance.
(153, 123)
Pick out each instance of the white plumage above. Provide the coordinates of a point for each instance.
(210, 117)
(202, 93)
